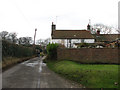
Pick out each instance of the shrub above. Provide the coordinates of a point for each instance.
(42, 54)
(52, 50)
(82, 45)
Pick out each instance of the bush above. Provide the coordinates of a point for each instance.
(82, 45)
(42, 54)
(52, 50)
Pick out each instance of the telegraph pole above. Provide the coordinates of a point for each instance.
(35, 35)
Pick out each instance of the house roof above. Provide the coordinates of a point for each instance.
(106, 37)
(72, 34)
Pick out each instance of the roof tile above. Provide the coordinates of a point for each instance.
(72, 34)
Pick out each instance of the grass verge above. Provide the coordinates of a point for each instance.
(89, 75)
(11, 61)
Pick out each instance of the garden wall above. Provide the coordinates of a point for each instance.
(89, 55)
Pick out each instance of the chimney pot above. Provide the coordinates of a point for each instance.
(88, 27)
(98, 32)
(52, 23)
(53, 28)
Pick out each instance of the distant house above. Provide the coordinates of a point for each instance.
(106, 39)
(69, 38)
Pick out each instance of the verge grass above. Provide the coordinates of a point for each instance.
(89, 75)
(11, 61)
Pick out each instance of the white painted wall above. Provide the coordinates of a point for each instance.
(89, 40)
(76, 40)
(60, 41)
(56, 40)
(64, 41)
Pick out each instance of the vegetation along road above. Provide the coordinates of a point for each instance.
(89, 75)
(33, 74)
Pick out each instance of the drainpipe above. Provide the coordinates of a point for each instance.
(70, 42)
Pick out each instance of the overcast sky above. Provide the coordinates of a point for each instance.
(23, 16)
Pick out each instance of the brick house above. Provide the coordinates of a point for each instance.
(69, 38)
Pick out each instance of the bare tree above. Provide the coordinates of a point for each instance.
(3, 34)
(12, 37)
(47, 41)
(25, 40)
(103, 28)
(40, 42)
(43, 42)
(118, 30)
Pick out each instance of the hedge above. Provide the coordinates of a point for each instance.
(15, 50)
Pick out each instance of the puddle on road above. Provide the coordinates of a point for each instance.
(25, 62)
(33, 64)
(41, 64)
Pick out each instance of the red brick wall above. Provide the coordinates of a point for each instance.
(89, 55)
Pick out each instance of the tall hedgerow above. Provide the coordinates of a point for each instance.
(14, 50)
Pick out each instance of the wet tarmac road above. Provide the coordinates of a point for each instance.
(33, 74)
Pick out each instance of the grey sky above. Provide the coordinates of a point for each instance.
(23, 16)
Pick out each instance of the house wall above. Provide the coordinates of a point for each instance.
(56, 40)
(60, 41)
(89, 40)
(89, 55)
(64, 41)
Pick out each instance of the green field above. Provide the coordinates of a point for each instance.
(89, 75)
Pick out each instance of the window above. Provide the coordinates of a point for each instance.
(82, 40)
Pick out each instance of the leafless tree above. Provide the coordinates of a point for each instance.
(43, 42)
(103, 28)
(118, 30)
(12, 37)
(40, 41)
(3, 34)
(25, 40)
(47, 41)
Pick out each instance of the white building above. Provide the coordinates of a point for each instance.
(70, 38)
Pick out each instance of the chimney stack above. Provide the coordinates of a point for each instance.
(53, 28)
(98, 32)
(88, 27)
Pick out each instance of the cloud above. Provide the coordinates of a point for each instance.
(23, 16)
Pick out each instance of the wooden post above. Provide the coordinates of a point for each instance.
(35, 35)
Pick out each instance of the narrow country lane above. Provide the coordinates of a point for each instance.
(33, 74)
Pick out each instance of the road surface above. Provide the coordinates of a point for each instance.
(33, 74)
